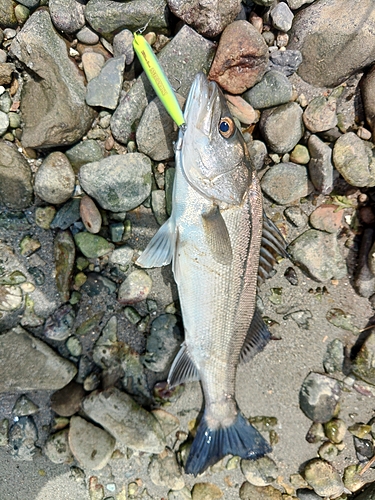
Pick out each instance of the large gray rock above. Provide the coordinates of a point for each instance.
(104, 90)
(16, 191)
(333, 51)
(53, 97)
(282, 127)
(286, 182)
(118, 183)
(67, 15)
(27, 364)
(186, 55)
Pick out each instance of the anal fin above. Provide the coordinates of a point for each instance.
(182, 369)
(160, 250)
(256, 339)
(217, 236)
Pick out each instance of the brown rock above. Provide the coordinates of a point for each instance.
(326, 218)
(67, 401)
(241, 109)
(6, 70)
(90, 215)
(241, 58)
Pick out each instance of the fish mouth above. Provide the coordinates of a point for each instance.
(200, 104)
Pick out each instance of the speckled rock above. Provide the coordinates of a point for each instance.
(285, 61)
(67, 15)
(282, 127)
(57, 448)
(87, 36)
(319, 397)
(16, 191)
(59, 325)
(67, 215)
(334, 357)
(122, 255)
(4, 123)
(104, 90)
(55, 179)
(258, 153)
(286, 182)
(241, 58)
(320, 114)
(323, 478)
(7, 16)
(326, 217)
(22, 438)
(135, 288)
(320, 165)
(274, 89)
(282, 17)
(207, 18)
(123, 45)
(118, 183)
(24, 407)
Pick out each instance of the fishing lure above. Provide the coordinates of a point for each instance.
(157, 78)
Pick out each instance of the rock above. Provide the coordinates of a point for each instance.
(296, 4)
(323, 478)
(84, 152)
(123, 45)
(301, 317)
(348, 43)
(109, 16)
(307, 494)
(163, 343)
(157, 132)
(57, 448)
(93, 63)
(135, 288)
(67, 15)
(22, 437)
(87, 36)
(328, 451)
(300, 155)
(67, 215)
(181, 59)
(364, 279)
(352, 478)
(7, 16)
(367, 86)
(282, 17)
(334, 357)
(4, 428)
(44, 216)
(208, 18)
(90, 445)
(206, 491)
(326, 218)
(59, 325)
(251, 492)
(64, 253)
(241, 109)
(12, 306)
(320, 114)
(319, 255)
(319, 397)
(16, 191)
(285, 61)
(4, 123)
(125, 420)
(258, 154)
(27, 364)
(6, 72)
(274, 89)
(320, 165)
(183, 494)
(282, 127)
(335, 430)
(164, 471)
(104, 90)
(362, 365)
(286, 182)
(67, 401)
(118, 183)
(241, 58)
(55, 179)
(74, 346)
(260, 472)
(24, 407)
(90, 215)
(367, 494)
(122, 256)
(53, 97)
(92, 246)
(353, 159)
(158, 205)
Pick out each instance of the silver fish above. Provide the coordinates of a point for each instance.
(213, 239)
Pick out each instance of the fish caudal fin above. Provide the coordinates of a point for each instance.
(209, 446)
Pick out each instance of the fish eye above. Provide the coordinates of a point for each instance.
(227, 127)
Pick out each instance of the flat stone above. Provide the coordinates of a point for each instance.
(320, 114)
(90, 445)
(123, 45)
(282, 127)
(241, 58)
(274, 89)
(285, 61)
(323, 478)
(67, 401)
(93, 63)
(22, 438)
(241, 109)
(67, 15)
(122, 417)
(320, 165)
(16, 191)
(104, 90)
(135, 288)
(27, 364)
(92, 246)
(87, 36)
(286, 182)
(57, 448)
(67, 215)
(326, 218)
(319, 397)
(53, 97)
(118, 183)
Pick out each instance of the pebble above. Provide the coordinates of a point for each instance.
(364, 279)
(282, 127)
(84, 152)
(282, 17)
(118, 183)
(87, 36)
(260, 472)
(206, 491)
(11, 307)
(92, 246)
(67, 215)
(300, 155)
(319, 255)
(163, 343)
(6, 72)
(158, 206)
(316, 433)
(67, 15)
(326, 217)
(59, 325)
(251, 492)
(55, 179)
(67, 401)
(123, 45)
(90, 215)
(57, 448)
(24, 406)
(320, 165)
(285, 61)
(4, 123)
(328, 451)
(74, 346)
(353, 481)
(91, 446)
(122, 256)
(352, 157)
(320, 114)
(301, 317)
(104, 90)
(241, 58)
(334, 357)
(27, 364)
(319, 397)
(64, 254)
(241, 110)
(163, 470)
(296, 216)
(183, 494)
(335, 430)
(122, 417)
(274, 89)
(362, 365)
(57, 85)
(93, 63)
(7, 16)
(22, 438)
(135, 288)
(286, 182)
(258, 153)
(323, 478)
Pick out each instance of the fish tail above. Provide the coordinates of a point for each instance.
(209, 446)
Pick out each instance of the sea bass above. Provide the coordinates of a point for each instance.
(213, 239)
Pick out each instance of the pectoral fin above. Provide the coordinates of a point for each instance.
(159, 251)
(182, 369)
(256, 339)
(217, 236)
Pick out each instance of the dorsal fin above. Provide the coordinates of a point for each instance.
(273, 247)
(256, 339)
(182, 369)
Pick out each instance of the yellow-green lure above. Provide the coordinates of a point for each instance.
(157, 78)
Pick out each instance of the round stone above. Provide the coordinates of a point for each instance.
(260, 472)
(282, 127)
(135, 288)
(323, 478)
(319, 397)
(57, 448)
(286, 182)
(55, 179)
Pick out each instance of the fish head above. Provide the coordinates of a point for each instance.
(214, 156)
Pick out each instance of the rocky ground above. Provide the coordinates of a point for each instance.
(86, 175)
